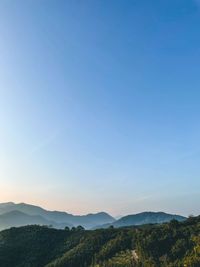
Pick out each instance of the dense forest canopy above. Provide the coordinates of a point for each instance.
(170, 244)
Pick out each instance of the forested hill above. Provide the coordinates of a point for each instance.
(171, 244)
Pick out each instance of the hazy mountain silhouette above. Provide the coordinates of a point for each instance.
(57, 218)
(12, 214)
(143, 218)
(17, 218)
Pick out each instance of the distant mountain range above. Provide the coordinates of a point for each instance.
(21, 214)
(12, 214)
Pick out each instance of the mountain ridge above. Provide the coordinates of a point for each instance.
(58, 217)
(17, 218)
(142, 218)
(21, 214)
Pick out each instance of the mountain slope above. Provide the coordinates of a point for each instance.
(17, 218)
(144, 218)
(31, 246)
(147, 217)
(87, 221)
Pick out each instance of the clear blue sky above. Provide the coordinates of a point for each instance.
(100, 105)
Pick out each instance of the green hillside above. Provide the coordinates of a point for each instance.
(171, 244)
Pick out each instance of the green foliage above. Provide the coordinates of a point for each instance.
(121, 259)
(171, 244)
(30, 246)
(82, 254)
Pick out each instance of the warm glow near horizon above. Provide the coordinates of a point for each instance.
(99, 105)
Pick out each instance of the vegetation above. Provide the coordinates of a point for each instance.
(170, 244)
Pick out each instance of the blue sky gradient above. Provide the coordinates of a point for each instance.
(99, 105)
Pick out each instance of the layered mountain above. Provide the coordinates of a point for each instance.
(21, 214)
(144, 218)
(17, 218)
(57, 219)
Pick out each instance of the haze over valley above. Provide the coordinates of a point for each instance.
(14, 215)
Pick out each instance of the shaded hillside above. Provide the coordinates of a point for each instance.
(62, 218)
(17, 218)
(143, 218)
(31, 246)
(173, 244)
(147, 217)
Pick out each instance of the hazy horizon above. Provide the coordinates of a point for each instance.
(77, 214)
(99, 105)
